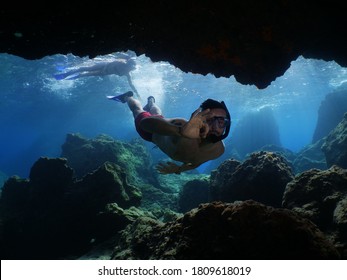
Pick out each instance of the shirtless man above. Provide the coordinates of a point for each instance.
(191, 142)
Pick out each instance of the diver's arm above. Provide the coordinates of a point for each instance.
(195, 128)
(161, 126)
(132, 86)
(173, 168)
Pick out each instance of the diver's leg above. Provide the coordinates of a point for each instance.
(130, 82)
(135, 106)
(155, 110)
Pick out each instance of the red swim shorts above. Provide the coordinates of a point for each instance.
(144, 134)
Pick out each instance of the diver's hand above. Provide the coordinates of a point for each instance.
(196, 127)
(168, 168)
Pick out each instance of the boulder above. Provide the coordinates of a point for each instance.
(320, 195)
(52, 216)
(335, 145)
(193, 193)
(262, 177)
(226, 231)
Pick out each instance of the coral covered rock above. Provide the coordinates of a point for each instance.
(85, 155)
(51, 216)
(330, 113)
(321, 197)
(262, 177)
(335, 145)
(109, 184)
(310, 157)
(193, 193)
(243, 230)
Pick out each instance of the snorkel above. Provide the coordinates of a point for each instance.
(213, 104)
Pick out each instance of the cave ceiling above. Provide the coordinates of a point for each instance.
(255, 41)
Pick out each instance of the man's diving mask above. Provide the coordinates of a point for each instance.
(223, 122)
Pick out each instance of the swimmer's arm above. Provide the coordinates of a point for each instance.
(173, 168)
(168, 127)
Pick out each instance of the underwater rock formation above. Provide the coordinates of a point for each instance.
(230, 153)
(242, 230)
(310, 157)
(330, 113)
(335, 145)
(108, 184)
(157, 200)
(220, 176)
(51, 216)
(85, 155)
(3, 178)
(321, 196)
(284, 152)
(254, 131)
(193, 193)
(262, 177)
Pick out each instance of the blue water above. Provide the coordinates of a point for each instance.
(37, 111)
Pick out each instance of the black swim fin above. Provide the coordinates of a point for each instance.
(121, 97)
(66, 76)
(60, 76)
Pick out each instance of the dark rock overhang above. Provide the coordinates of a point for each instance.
(253, 40)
